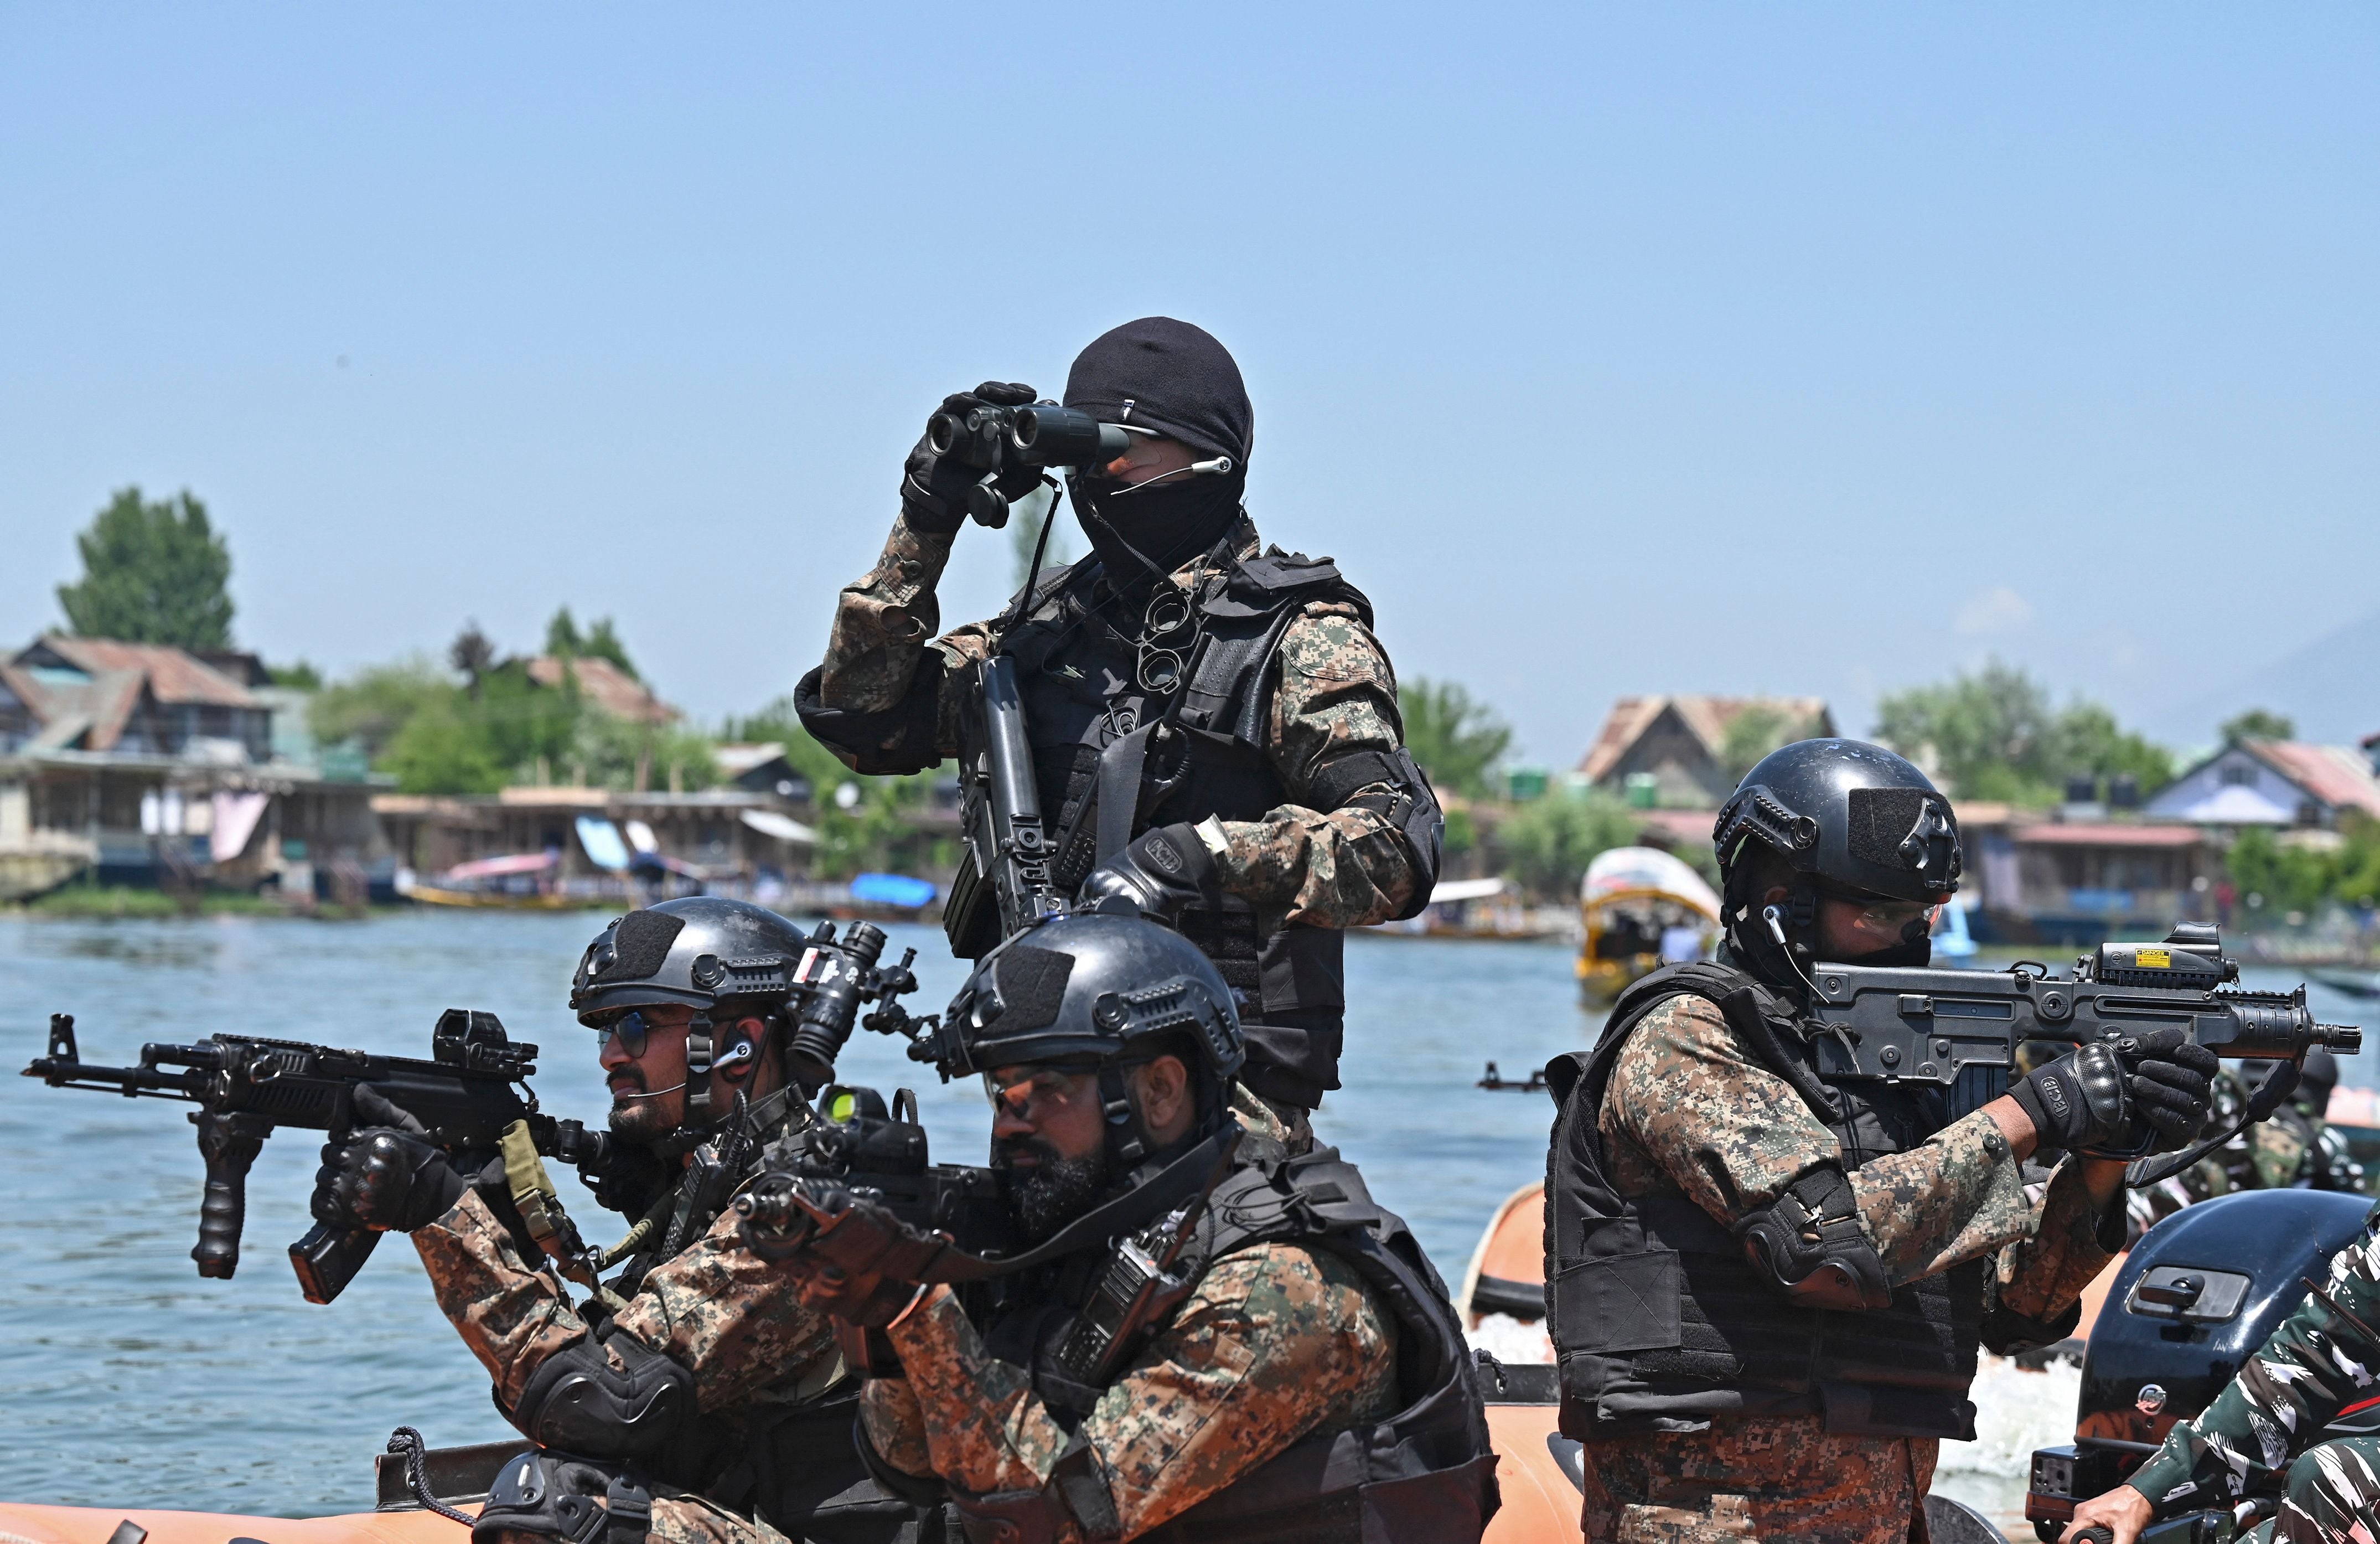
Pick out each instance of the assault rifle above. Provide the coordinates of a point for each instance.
(1912, 1025)
(1007, 847)
(470, 1095)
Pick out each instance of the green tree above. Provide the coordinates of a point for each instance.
(1754, 732)
(602, 642)
(562, 639)
(2258, 724)
(439, 750)
(472, 654)
(299, 674)
(1995, 736)
(376, 704)
(1456, 739)
(879, 832)
(1549, 841)
(153, 573)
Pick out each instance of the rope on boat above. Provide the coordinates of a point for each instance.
(407, 1443)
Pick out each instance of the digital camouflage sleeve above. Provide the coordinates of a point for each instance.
(2317, 1365)
(1336, 692)
(1691, 1110)
(716, 1309)
(1275, 1343)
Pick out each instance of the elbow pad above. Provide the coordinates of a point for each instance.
(1807, 1244)
(1392, 787)
(579, 1403)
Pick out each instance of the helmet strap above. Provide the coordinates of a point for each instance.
(1127, 1138)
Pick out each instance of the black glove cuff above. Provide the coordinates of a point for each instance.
(928, 515)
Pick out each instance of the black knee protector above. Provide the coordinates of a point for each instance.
(554, 1495)
(1807, 1244)
(579, 1403)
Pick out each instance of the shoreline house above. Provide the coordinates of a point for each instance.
(144, 764)
(2284, 783)
(1669, 756)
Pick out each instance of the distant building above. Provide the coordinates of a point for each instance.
(1670, 752)
(2270, 782)
(606, 686)
(2028, 878)
(731, 835)
(148, 764)
(763, 769)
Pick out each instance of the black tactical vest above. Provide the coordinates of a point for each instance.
(1658, 1320)
(1425, 1474)
(1100, 739)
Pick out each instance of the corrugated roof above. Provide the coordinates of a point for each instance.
(1705, 717)
(608, 686)
(2336, 774)
(174, 678)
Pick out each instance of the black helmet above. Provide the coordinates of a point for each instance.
(1845, 817)
(725, 959)
(1097, 991)
(1852, 815)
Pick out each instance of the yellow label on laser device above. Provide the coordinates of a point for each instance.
(2153, 959)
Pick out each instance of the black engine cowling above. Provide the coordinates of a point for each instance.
(2197, 1296)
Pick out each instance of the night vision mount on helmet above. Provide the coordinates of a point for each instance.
(732, 960)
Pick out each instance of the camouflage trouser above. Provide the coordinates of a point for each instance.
(1772, 1478)
(2334, 1494)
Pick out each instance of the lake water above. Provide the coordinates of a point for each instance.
(131, 1382)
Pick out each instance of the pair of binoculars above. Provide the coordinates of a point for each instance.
(1038, 434)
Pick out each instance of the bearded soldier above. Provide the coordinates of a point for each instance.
(1766, 1289)
(692, 1393)
(1214, 728)
(1298, 1371)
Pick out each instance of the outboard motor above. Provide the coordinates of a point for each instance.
(2197, 1296)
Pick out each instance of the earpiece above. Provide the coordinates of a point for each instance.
(1220, 466)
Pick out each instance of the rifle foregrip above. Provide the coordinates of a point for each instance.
(229, 1143)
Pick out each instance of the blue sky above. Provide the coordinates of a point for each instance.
(1611, 349)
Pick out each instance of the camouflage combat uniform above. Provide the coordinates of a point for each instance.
(1690, 1111)
(1336, 693)
(2317, 1365)
(712, 1307)
(1275, 1344)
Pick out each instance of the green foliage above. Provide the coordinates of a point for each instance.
(1548, 842)
(153, 573)
(1754, 732)
(600, 641)
(2258, 724)
(2288, 877)
(299, 674)
(439, 750)
(375, 704)
(606, 751)
(1995, 736)
(1458, 741)
(1461, 832)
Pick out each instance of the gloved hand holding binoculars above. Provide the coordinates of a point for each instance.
(985, 448)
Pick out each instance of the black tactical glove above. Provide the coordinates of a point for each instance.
(2173, 1085)
(2082, 1100)
(1160, 874)
(934, 488)
(388, 1175)
(860, 1263)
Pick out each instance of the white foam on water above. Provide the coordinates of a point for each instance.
(1512, 1341)
(2016, 1411)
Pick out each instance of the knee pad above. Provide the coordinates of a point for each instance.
(554, 1495)
(577, 1402)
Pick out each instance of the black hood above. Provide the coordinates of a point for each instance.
(1176, 379)
(1167, 375)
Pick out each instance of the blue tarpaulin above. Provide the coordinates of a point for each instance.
(893, 890)
(601, 840)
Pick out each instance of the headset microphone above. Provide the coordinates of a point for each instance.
(1220, 466)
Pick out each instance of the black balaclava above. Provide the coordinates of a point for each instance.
(1176, 379)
